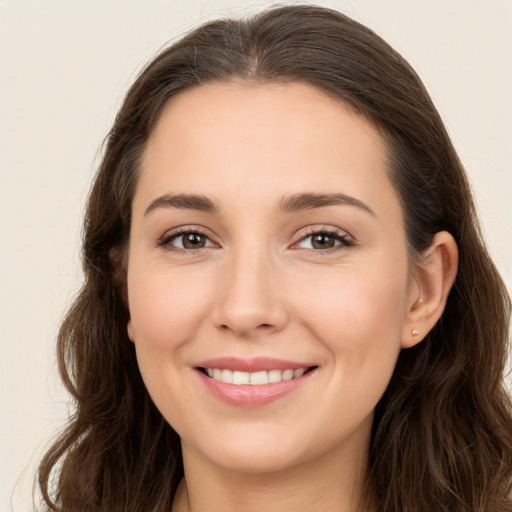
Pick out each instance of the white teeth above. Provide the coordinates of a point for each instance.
(298, 373)
(254, 378)
(274, 376)
(240, 378)
(287, 375)
(258, 378)
(227, 376)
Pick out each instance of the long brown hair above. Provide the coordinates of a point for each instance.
(442, 434)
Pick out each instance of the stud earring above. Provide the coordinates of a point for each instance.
(414, 332)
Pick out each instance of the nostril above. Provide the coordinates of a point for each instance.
(226, 327)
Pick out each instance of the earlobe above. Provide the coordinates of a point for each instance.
(433, 279)
(131, 332)
(118, 264)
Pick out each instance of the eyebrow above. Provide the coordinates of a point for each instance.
(308, 201)
(295, 203)
(187, 201)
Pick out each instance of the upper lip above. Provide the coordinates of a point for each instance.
(256, 364)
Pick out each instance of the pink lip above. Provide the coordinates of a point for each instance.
(256, 364)
(248, 395)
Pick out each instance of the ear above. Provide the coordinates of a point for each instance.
(118, 263)
(432, 280)
(131, 332)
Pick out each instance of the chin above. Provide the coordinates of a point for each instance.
(259, 450)
(255, 461)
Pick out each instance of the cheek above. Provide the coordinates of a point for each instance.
(358, 313)
(167, 308)
(358, 319)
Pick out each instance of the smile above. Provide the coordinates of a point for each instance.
(253, 378)
(252, 382)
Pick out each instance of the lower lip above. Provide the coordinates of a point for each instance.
(249, 395)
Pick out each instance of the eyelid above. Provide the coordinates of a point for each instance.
(165, 240)
(346, 240)
(343, 236)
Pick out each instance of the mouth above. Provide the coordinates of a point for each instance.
(253, 382)
(259, 378)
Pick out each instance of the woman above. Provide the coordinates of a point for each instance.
(287, 303)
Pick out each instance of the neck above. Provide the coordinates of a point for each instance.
(335, 482)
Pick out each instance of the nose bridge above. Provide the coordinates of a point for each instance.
(249, 290)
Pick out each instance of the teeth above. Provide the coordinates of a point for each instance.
(274, 375)
(227, 376)
(240, 378)
(254, 378)
(258, 378)
(287, 375)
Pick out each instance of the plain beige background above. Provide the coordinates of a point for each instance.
(65, 66)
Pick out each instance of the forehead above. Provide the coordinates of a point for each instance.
(246, 141)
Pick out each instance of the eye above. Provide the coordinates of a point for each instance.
(325, 240)
(185, 241)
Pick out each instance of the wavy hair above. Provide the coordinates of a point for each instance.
(442, 432)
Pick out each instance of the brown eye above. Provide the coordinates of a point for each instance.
(322, 241)
(193, 240)
(186, 241)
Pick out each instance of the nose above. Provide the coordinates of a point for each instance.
(251, 298)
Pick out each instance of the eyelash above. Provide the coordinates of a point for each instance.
(165, 241)
(339, 236)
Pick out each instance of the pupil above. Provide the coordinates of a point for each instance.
(323, 242)
(193, 240)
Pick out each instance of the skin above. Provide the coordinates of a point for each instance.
(259, 287)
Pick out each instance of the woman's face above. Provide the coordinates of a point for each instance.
(266, 240)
